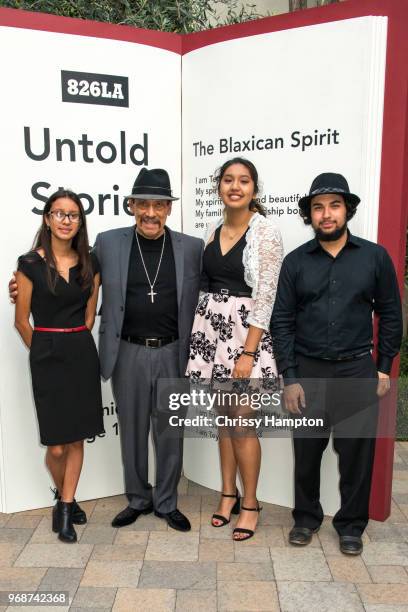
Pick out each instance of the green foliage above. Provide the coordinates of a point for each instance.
(404, 358)
(326, 2)
(297, 5)
(166, 15)
(402, 409)
(406, 258)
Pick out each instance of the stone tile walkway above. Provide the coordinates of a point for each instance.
(149, 567)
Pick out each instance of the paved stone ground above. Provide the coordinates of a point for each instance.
(149, 567)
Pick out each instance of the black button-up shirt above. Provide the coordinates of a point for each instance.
(324, 304)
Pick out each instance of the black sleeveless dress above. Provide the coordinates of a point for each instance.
(224, 271)
(64, 366)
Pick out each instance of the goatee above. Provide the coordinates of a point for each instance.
(332, 236)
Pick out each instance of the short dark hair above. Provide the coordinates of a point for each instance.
(307, 218)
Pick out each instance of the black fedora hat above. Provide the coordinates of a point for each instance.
(151, 185)
(328, 182)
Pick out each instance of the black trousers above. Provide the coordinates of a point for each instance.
(343, 394)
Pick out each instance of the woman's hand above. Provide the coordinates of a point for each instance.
(243, 367)
(245, 363)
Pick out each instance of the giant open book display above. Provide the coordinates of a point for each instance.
(86, 105)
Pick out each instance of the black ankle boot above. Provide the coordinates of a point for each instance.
(55, 519)
(66, 531)
(78, 515)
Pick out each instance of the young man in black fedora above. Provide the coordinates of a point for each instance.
(322, 332)
(150, 286)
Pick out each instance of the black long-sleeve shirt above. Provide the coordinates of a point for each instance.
(324, 304)
(142, 316)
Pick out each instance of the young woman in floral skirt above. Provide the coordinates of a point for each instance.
(230, 337)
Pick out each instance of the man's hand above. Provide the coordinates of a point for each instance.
(294, 397)
(243, 367)
(12, 287)
(384, 384)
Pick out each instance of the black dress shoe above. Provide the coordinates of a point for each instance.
(301, 536)
(351, 545)
(175, 519)
(129, 515)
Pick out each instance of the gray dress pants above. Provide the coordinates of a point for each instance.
(134, 383)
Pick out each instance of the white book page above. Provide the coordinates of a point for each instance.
(297, 103)
(119, 142)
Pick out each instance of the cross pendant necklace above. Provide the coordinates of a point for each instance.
(151, 293)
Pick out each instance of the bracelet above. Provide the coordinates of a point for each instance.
(249, 353)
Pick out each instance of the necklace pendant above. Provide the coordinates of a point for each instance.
(152, 294)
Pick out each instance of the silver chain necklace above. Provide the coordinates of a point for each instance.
(151, 293)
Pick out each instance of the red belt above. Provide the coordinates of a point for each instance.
(66, 330)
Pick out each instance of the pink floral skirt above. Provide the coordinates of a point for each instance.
(218, 337)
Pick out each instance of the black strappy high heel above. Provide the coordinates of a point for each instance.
(235, 510)
(248, 532)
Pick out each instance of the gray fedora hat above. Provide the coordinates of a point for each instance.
(151, 185)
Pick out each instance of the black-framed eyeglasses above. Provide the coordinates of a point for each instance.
(60, 215)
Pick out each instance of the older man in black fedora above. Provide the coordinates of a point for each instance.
(150, 281)
(323, 337)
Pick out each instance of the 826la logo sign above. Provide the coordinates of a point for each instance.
(92, 88)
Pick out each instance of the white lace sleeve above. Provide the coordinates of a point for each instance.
(267, 255)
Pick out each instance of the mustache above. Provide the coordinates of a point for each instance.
(150, 219)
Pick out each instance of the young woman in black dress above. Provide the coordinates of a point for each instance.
(58, 283)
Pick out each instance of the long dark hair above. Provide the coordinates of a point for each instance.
(219, 173)
(80, 243)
